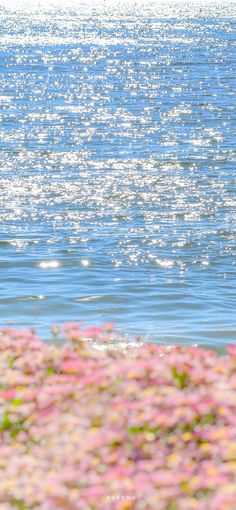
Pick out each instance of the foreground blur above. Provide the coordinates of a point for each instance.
(84, 428)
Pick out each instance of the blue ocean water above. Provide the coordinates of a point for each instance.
(118, 157)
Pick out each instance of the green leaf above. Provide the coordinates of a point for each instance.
(19, 504)
(51, 371)
(182, 378)
(5, 423)
(17, 402)
(143, 428)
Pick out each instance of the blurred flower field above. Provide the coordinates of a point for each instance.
(145, 428)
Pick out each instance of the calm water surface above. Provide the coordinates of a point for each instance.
(118, 154)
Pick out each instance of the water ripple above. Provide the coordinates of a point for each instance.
(117, 155)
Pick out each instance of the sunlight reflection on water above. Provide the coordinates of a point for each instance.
(117, 155)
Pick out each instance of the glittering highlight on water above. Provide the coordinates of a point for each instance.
(117, 182)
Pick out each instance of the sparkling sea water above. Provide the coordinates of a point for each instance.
(118, 158)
